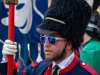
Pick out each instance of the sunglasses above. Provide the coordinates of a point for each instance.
(51, 40)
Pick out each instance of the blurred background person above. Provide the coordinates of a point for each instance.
(91, 45)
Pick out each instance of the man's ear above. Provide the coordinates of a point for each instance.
(69, 45)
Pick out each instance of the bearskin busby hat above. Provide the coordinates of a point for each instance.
(67, 17)
(93, 26)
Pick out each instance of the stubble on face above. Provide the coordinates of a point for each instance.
(55, 52)
(53, 56)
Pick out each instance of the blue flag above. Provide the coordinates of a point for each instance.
(3, 29)
(39, 8)
(28, 15)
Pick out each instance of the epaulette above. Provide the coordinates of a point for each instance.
(88, 68)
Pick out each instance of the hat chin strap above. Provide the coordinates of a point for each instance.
(61, 56)
(63, 51)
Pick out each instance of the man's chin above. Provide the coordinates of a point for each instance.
(48, 58)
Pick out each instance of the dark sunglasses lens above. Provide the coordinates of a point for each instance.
(52, 40)
(42, 39)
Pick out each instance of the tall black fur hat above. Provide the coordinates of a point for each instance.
(67, 17)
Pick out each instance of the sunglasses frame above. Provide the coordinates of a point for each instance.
(52, 38)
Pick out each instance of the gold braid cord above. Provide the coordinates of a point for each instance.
(10, 1)
(19, 57)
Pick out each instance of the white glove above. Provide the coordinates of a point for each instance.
(9, 48)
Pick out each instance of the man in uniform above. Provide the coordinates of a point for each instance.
(61, 33)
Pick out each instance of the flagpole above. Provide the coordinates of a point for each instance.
(11, 3)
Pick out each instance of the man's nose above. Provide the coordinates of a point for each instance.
(46, 43)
